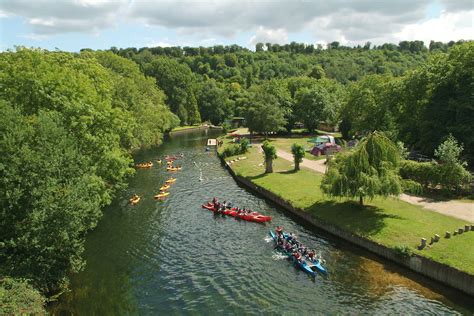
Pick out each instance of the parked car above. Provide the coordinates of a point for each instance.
(322, 149)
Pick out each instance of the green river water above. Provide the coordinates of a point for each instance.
(175, 258)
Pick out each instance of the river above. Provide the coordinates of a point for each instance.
(173, 257)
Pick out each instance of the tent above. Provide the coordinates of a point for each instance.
(322, 140)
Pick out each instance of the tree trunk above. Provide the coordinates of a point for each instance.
(297, 165)
(268, 165)
(361, 202)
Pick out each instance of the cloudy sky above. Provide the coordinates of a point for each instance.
(100, 24)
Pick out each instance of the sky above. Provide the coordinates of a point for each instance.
(101, 24)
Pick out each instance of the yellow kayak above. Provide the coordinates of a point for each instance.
(165, 187)
(170, 180)
(134, 201)
(173, 169)
(144, 165)
(162, 195)
(158, 161)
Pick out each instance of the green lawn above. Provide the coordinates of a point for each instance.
(390, 221)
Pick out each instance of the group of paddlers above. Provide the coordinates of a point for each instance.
(221, 207)
(290, 244)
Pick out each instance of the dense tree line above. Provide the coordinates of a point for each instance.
(69, 123)
(415, 94)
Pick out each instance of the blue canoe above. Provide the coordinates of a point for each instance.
(315, 264)
(302, 264)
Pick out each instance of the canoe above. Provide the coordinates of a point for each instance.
(170, 180)
(305, 265)
(165, 187)
(161, 195)
(317, 266)
(252, 217)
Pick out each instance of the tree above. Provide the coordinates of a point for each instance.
(269, 153)
(317, 72)
(264, 116)
(310, 104)
(213, 102)
(372, 169)
(298, 154)
(452, 170)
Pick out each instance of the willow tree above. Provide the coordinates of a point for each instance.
(298, 154)
(369, 171)
(269, 152)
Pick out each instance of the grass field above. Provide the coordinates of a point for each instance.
(391, 222)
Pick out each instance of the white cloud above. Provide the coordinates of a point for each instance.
(447, 27)
(347, 21)
(263, 35)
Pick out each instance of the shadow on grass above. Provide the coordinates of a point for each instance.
(258, 176)
(291, 171)
(434, 195)
(364, 220)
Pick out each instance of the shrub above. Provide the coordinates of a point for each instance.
(244, 144)
(425, 173)
(449, 176)
(231, 150)
(18, 297)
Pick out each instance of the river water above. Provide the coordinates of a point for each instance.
(173, 257)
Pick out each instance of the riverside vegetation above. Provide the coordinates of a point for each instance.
(70, 122)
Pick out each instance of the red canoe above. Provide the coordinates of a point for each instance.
(252, 217)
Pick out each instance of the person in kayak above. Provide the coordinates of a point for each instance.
(311, 255)
(279, 230)
(288, 247)
(297, 256)
(214, 200)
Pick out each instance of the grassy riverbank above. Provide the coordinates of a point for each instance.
(186, 127)
(391, 222)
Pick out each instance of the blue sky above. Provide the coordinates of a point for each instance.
(101, 24)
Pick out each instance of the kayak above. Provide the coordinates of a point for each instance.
(134, 201)
(165, 187)
(170, 180)
(144, 165)
(162, 195)
(173, 169)
(159, 161)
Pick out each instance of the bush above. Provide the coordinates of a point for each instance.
(226, 127)
(18, 297)
(425, 173)
(244, 144)
(448, 176)
(231, 150)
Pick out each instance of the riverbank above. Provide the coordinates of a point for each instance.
(189, 128)
(388, 227)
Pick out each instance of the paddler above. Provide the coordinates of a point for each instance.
(279, 230)
(214, 200)
(297, 256)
